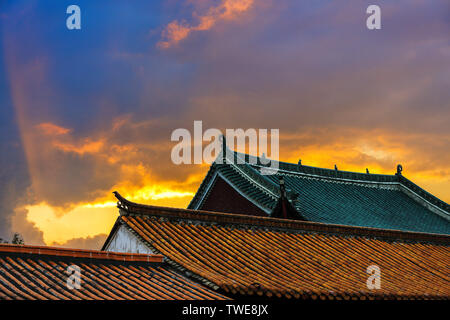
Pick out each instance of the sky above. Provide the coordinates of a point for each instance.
(86, 112)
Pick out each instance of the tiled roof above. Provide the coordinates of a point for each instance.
(39, 273)
(334, 196)
(248, 255)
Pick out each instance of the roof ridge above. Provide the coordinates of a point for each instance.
(248, 170)
(351, 175)
(196, 198)
(132, 208)
(264, 182)
(244, 169)
(424, 194)
(294, 167)
(80, 253)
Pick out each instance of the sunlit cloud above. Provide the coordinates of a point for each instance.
(86, 146)
(79, 222)
(109, 204)
(176, 31)
(51, 129)
(157, 193)
(375, 153)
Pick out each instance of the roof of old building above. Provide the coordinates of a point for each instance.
(40, 273)
(332, 196)
(249, 255)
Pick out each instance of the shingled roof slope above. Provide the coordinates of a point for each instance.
(248, 255)
(39, 273)
(332, 196)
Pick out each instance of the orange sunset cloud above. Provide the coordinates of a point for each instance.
(51, 129)
(176, 31)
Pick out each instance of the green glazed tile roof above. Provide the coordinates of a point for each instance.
(337, 197)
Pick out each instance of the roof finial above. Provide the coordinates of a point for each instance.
(224, 148)
(399, 170)
(263, 160)
(335, 167)
(367, 170)
(299, 162)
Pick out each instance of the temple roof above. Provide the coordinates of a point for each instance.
(40, 273)
(246, 255)
(332, 196)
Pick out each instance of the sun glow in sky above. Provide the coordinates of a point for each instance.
(87, 112)
(91, 219)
